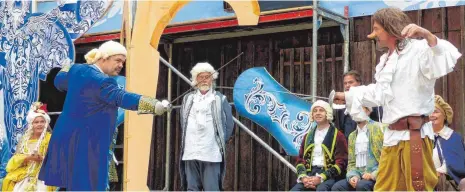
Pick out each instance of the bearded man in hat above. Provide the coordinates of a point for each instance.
(77, 156)
(405, 78)
(207, 124)
(449, 149)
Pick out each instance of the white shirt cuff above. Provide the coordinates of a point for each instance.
(438, 48)
(300, 177)
(318, 175)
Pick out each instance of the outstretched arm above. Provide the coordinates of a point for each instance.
(112, 94)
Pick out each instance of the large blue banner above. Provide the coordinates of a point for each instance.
(261, 99)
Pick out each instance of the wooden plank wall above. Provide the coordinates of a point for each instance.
(446, 23)
(287, 58)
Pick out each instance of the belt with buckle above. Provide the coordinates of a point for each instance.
(413, 124)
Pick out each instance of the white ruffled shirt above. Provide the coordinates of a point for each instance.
(200, 142)
(318, 155)
(361, 147)
(405, 85)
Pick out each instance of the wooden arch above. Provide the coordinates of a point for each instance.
(151, 18)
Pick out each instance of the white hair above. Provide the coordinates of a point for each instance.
(324, 105)
(31, 116)
(200, 68)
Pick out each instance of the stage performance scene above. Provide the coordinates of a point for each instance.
(232, 95)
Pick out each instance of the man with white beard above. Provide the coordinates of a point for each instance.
(207, 124)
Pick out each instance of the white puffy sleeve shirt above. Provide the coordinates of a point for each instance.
(405, 84)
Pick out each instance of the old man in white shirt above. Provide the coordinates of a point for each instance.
(405, 78)
(206, 123)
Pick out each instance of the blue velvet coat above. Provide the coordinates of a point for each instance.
(453, 150)
(77, 156)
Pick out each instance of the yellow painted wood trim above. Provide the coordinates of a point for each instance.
(126, 31)
(142, 75)
(247, 12)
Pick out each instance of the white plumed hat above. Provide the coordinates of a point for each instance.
(200, 68)
(105, 50)
(37, 110)
(324, 105)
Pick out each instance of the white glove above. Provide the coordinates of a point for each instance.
(162, 107)
(159, 108)
(166, 104)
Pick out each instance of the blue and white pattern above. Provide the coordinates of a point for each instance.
(214, 9)
(260, 98)
(31, 44)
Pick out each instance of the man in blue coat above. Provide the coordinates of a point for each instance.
(77, 157)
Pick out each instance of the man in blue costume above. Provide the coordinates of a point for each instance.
(77, 157)
(449, 149)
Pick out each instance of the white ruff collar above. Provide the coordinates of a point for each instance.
(201, 106)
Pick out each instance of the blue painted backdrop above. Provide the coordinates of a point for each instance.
(214, 8)
(30, 45)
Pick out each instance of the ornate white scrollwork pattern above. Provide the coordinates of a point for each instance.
(278, 112)
(31, 45)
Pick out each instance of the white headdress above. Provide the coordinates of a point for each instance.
(105, 50)
(324, 105)
(37, 110)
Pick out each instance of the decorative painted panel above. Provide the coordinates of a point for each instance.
(31, 44)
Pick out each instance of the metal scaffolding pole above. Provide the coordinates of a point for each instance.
(242, 126)
(168, 128)
(346, 47)
(314, 48)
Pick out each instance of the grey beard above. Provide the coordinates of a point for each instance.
(204, 87)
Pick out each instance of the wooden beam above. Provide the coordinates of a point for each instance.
(250, 63)
(142, 78)
(302, 69)
(333, 67)
(234, 22)
(212, 36)
(262, 31)
(287, 63)
(270, 137)
(291, 70)
(444, 36)
(237, 129)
